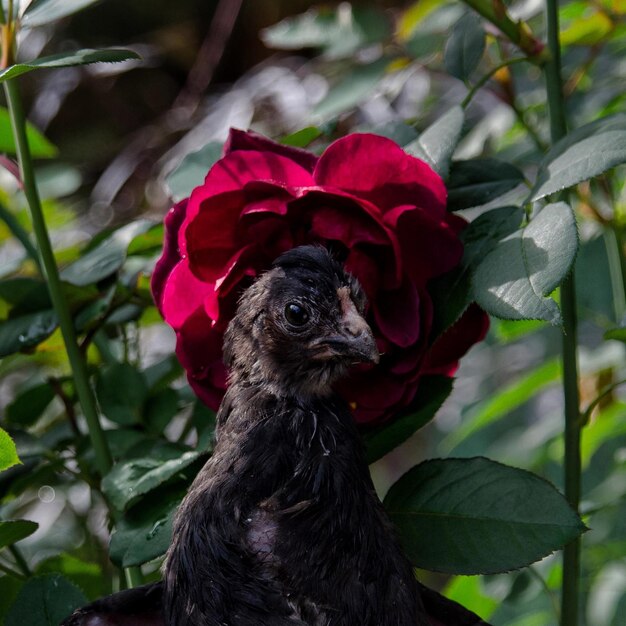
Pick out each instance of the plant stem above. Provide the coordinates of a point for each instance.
(485, 79)
(55, 287)
(20, 560)
(571, 552)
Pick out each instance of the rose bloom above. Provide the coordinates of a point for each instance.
(382, 211)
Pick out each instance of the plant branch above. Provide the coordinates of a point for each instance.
(20, 561)
(55, 287)
(519, 33)
(558, 128)
(487, 77)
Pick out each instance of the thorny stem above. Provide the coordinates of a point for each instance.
(571, 552)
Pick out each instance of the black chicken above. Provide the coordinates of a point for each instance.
(282, 526)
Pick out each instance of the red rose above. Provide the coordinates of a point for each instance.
(365, 197)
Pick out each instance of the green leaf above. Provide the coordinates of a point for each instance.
(45, 601)
(86, 575)
(437, 143)
(431, 395)
(145, 532)
(106, 258)
(476, 516)
(582, 154)
(160, 409)
(452, 292)
(513, 280)
(40, 12)
(192, 170)
(40, 147)
(28, 406)
(339, 32)
(301, 138)
(619, 334)
(26, 331)
(507, 399)
(476, 182)
(354, 88)
(121, 392)
(128, 481)
(70, 59)
(12, 531)
(465, 47)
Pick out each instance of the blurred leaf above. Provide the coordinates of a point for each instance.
(106, 258)
(339, 32)
(11, 531)
(40, 147)
(192, 170)
(69, 59)
(608, 424)
(619, 334)
(465, 47)
(29, 404)
(582, 154)
(58, 180)
(87, 576)
(476, 182)
(45, 601)
(425, 45)
(500, 404)
(10, 588)
(413, 16)
(121, 392)
(487, 517)
(150, 241)
(382, 440)
(467, 591)
(94, 312)
(163, 372)
(128, 481)
(301, 138)
(27, 295)
(40, 12)
(437, 143)
(587, 30)
(513, 280)
(160, 409)
(26, 331)
(355, 86)
(145, 532)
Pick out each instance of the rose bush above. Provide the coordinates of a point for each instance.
(383, 212)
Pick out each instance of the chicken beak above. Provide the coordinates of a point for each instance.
(355, 340)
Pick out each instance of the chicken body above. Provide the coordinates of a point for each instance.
(282, 526)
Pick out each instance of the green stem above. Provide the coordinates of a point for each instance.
(571, 552)
(84, 391)
(51, 273)
(20, 234)
(485, 79)
(518, 32)
(20, 560)
(614, 257)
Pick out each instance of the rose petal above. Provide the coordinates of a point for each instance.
(397, 314)
(249, 140)
(171, 254)
(379, 170)
(199, 350)
(430, 247)
(183, 294)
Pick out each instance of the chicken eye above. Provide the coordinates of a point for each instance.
(295, 314)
